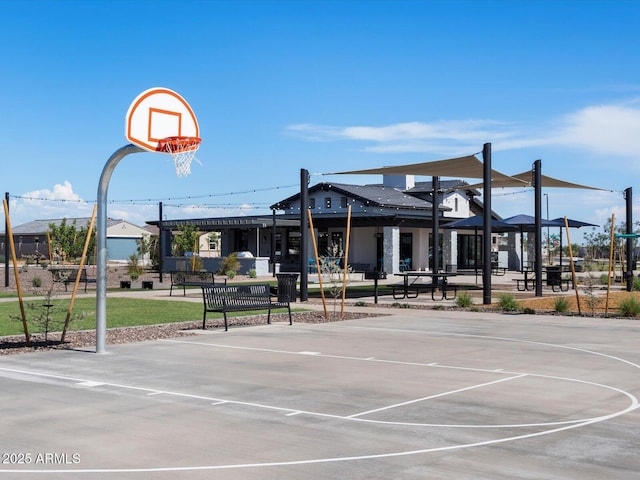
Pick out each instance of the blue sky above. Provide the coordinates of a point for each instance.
(324, 85)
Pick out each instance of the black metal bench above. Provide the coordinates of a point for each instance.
(69, 275)
(187, 278)
(239, 298)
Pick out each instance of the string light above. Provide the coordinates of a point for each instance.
(154, 201)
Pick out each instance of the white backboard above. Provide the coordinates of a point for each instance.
(159, 113)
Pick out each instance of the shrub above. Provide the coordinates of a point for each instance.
(508, 303)
(560, 305)
(230, 264)
(400, 305)
(529, 311)
(629, 307)
(636, 284)
(36, 282)
(253, 273)
(230, 273)
(464, 300)
(360, 303)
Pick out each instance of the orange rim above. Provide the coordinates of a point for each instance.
(178, 144)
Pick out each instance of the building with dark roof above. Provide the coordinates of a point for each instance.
(31, 239)
(390, 225)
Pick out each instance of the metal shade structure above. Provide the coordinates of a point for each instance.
(572, 224)
(475, 223)
(465, 167)
(527, 223)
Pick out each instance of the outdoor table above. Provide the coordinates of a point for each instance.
(439, 279)
(526, 271)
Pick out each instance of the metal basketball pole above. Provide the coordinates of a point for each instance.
(101, 244)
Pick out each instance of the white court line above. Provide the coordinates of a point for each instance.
(488, 337)
(437, 395)
(576, 424)
(342, 357)
(312, 461)
(89, 384)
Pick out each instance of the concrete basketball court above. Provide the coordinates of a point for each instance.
(421, 394)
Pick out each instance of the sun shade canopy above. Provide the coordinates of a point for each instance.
(573, 223)
(525, 179)
(463, 167)
(476, 223)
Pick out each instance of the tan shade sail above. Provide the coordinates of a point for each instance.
(461, 167)
(525, 179)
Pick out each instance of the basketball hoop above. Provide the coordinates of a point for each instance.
(182, 150)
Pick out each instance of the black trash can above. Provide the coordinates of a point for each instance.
(554, 276)
(287, 286)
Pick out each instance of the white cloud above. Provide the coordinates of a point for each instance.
(60, 192)
(440, 137)
(605, 129)
(602, 129)
(59, 202)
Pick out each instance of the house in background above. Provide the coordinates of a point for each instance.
(391, 227)
(30, 238)
(391, 223)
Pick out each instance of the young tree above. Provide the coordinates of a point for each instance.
(331, 270)
(186, 240)
(144, 246)
(67, 242)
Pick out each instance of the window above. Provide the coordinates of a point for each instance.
(312, 203)
(327, 202)
(455, 204)
(343, 202)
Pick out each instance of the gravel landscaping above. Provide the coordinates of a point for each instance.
(86, 340)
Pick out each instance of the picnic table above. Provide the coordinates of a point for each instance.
(439, 281)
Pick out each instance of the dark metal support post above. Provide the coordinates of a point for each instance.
(486, 226)
(304, 235)
(628, 195)
(435, 202)
(273, 242)
(160, 242)
(537, 183)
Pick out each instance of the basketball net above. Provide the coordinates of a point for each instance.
(182, 150)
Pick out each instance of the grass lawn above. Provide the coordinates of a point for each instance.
(121, 312)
